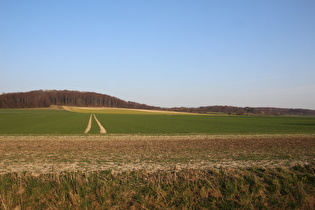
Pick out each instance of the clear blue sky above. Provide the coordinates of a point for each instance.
(165, 52)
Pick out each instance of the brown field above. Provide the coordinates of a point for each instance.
(45, 154)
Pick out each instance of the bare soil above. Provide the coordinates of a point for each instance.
(45, 154)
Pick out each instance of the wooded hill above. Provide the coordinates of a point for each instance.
(41, 98)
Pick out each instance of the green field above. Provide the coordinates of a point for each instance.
(22, 121)
(206, 124)
(47, 121)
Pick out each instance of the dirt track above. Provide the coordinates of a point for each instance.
(44, 154)
(102, 129)
(88, 128)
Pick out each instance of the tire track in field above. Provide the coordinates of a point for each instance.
(102, 129)
(88, 128)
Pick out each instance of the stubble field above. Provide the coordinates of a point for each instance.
(46, 154)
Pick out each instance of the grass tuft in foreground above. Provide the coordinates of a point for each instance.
(253, 188)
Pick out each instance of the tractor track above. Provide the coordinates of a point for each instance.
(89, 126)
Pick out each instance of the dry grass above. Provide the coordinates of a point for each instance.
(44, 154)
(254, 188)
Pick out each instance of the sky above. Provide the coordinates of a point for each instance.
(167, 53)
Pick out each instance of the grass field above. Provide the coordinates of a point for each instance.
(125, 121)
(23, 121)
(206, 124)
(155, 160)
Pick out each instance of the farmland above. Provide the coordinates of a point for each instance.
(126, 121)
(44, 154)
(154, 160)
(41, 122)
(132, 171)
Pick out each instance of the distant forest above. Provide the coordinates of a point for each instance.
(40, 98)
(232, 110)
(47, 98)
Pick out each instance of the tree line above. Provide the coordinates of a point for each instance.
(232, 110)
(41, 99)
